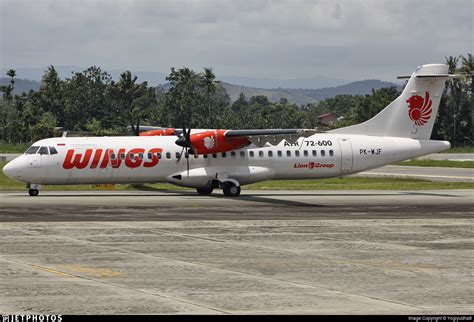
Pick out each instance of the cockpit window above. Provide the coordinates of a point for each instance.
(43, 150)
(32, 150)
(52, 150)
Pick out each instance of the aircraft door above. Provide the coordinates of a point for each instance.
(346, 155)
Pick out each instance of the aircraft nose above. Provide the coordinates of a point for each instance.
(13, 169)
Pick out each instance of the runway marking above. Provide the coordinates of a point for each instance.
(232, 271)
(92, 271)
(110, 284)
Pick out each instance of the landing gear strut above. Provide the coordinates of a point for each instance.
(230, 189)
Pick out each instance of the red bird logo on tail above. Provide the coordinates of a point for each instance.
(419, 109)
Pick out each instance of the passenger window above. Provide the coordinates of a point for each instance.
(314, 153)
(149, 155)
(242, 154)
(32, 150)
(232, 154)
(331, 153)
(214, 155)
(177, 155)
(205, 156)
(43, 150)
(122, 156)
(52, 150)
(297, 153)
(140, 156)
(288, 153)
(112, 156)
(132, 156)
(158, 155)
(305, 153)
(224, 154)
(196, 156)
(323, 153)
(279, 154)
(168, 155)
(251, 154)
(260, 154)
(270, 154)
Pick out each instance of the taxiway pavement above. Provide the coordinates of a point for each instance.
(357, 252)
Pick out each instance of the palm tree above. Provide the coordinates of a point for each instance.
(454, 87)
(467, 69)
(208, 81)
(8, 89)
(128, 90)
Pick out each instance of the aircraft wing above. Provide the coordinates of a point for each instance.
(260, 137)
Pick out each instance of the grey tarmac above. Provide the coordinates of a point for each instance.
(266, 252)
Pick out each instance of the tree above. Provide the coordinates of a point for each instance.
(208, 81)
(128, 91)
(8, 89)
(467, 69)
(86, 95)
(51, 94)
(182, 97)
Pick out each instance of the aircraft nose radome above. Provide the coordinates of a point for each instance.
(9, 169)
(13, 169)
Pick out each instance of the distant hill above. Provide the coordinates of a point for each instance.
(296, 96)
(21, 85)
(273, 95)
(270, 83)
(305, 96)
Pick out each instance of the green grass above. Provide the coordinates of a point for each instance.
(13, 148)
(359, 183)
(345, 183)
(438, 163)
(460, 149)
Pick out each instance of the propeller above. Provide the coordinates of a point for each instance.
(184, 140)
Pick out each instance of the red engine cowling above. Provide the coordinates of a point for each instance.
(163, 132)
(214, 141)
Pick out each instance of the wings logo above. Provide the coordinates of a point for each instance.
(419, 109)
(209, 142)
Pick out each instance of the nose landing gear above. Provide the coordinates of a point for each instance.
(33, 189)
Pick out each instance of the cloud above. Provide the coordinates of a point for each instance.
(285, 39)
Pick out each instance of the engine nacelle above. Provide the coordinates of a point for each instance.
(214, 141)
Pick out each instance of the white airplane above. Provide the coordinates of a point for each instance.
(228, 159)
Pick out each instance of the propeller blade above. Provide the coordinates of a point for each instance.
(181, 154)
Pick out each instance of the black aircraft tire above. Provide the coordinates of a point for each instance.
(231, 190)
(33, 192)
(204, 191)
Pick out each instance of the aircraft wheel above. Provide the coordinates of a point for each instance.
(204, 191)
(33, 192)
(231, 190)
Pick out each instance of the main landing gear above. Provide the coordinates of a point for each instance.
(230, 188)
(204, 191)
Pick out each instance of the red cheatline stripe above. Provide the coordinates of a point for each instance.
(61, 144)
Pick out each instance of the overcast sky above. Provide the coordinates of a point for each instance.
(253, 38)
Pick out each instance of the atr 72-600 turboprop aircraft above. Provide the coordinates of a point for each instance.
(208, 159)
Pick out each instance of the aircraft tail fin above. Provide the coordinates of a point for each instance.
(413, 113)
